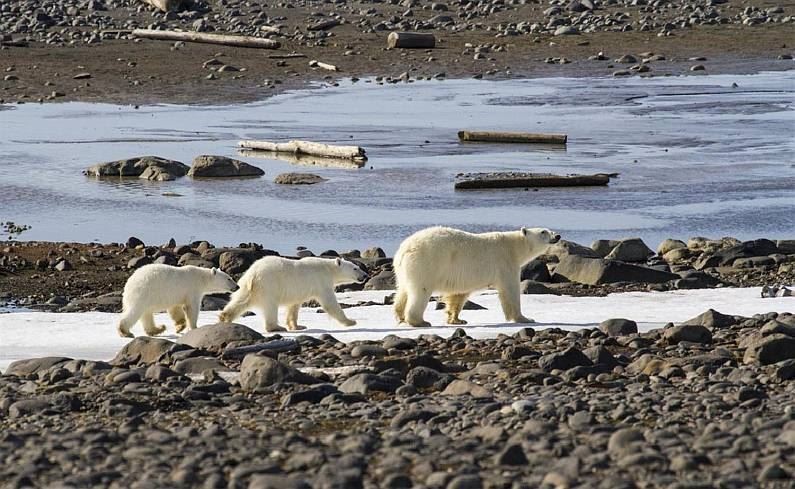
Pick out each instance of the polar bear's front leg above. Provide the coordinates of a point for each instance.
(150, 327)
(455, 303)
(292, 318)
(510, 299)
(329, 303)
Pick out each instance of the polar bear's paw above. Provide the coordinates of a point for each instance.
(456, 321)
(124, 333)
(422, 324)
(275, 328)
(297, 327)
(524, 320)
(155, 331)
(348, 322)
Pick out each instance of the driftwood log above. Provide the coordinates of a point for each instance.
(304, 160)
(411, 40)
(319, 64)
(165, 5)
(223, 39)
(354, 153)
(324, 25)
(511, 137)
(471, 181)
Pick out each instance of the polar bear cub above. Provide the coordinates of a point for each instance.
(456, 263)
(274, 281)
(178, 290)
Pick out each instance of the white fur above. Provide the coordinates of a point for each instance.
(457, 263)
(273, 281)
(178, 290)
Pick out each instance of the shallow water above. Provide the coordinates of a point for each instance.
(696, 156)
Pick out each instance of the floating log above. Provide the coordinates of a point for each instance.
(511, 137)
(411, 40)
(319, 64)
(223, 39)
(304, 160)
(354, 153)
(165, 5)
(469, 181)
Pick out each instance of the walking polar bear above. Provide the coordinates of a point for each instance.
(179, 290)
(273, 281)
(456, 263)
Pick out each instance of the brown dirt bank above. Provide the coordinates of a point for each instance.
(123, 71)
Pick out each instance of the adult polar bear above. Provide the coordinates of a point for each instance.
(179, 290)
(457, 263)
(273, 281)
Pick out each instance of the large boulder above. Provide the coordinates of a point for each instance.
(146, 167)
(565, 248)
(603, 247)
(258, 371)
(692, 333)
(384, 280)
(23, 368)
(596, 271)
(537, 271)
(786, 246)
(217, 336)
(712, 319)
(238, 260)
(746, 249)
(569, 358)
(460, 387)
(143, 349)
(211, 166)
(670, 245)
(618, 327)
(632, 250)
(771, 349)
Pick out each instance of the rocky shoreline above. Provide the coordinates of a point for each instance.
(73, 277)
(63, 50)
(705, 403)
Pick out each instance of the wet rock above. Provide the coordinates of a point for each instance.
(364, 350)
(198, 365)
(298, 179)
(135, 167)
(258, 371)
(217, 336)
(210, 166)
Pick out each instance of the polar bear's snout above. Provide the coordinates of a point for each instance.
(555, 238)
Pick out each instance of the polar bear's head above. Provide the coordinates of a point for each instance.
(540, 237)
(347, 272)
(221, 282)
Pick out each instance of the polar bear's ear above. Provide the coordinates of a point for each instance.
(215, 270)
(338, 261)
(524, 231)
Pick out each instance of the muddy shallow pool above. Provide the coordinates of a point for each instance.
(696, 156)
